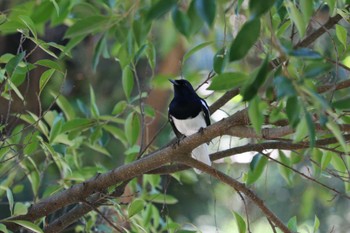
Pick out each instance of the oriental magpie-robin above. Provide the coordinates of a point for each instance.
(188, 113)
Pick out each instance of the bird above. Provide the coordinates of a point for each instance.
(188, 114)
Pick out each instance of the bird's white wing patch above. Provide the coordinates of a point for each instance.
(190, 126)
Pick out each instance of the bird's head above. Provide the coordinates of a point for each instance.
(182, 87)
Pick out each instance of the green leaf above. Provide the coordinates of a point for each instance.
(220, 60)
(20, 209)
(307, 8)
(116, 133)
(101, 49)
(50, 64)
(316, 224)
(332, 5)
(87, 25)
(26, 224)
(12, 64)
(65, 106)
(78, 124)
(159, 9)
(334, 128)
(140, 29)
(257, 166)
(15, 89)
(93, 106)
(293, 111)
(206, 10)
(190, 52)
(135, 207)
(151, 55)
(296, 17)
(127, 81)
(286, 173)
(181, 21)
(251, 90)
(341, 33)
(240, 223)
(132, 128)
(258, 7)
(292, 224)
(305, 53)
(326, 159)
(227, 81)
(161, 199)
(284, 87)
(56, 128)
(44, 79)
(245, 39)
(311, 128)
(255, 115)
(9, 196)
(3, 228)
(342, 104)
(29, 23)
(119, 107)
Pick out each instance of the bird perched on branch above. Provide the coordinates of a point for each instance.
(188, 114)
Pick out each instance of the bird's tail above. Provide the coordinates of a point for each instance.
(201, 153)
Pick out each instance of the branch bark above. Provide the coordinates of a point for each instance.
(238, 187)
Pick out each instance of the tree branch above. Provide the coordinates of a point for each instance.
(239, 187)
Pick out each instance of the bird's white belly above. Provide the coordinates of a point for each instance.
(190, 126)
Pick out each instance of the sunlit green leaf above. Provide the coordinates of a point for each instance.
(255, 114)
(292, 224)
(66, 107)
(190, 52)
(297, 18)
(93, 106)
(87, 25)
(227, 81)
(341, 33)
(3, 228)
(286, 172)
(45, 78)
(161, 198)
(135, 207)
(240, 222)
(9, 196)
(128, 81)
(342, 104)
(119, 107)
(132, 128)
(20, 209)
(316, 224)
(220, 60)
(29, 23)
(28, 225)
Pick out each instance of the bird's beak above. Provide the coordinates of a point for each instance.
(173, 82)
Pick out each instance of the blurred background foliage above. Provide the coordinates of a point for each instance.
(84, 88)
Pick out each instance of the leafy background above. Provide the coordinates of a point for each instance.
(84, 89)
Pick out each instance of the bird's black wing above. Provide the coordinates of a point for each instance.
(205, 109)
(177, 133)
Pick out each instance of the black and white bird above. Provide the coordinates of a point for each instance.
(188, 113)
